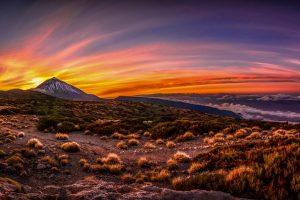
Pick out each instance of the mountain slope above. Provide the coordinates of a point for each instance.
(177, 104)
(57, 88)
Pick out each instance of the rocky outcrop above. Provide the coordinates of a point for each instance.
(98, 190)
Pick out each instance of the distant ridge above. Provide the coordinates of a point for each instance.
(60, 89)
(183, 105)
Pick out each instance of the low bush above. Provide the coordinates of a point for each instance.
(15, 160)
(115, 168)
(161, 175)
(214, 180)
(133, 136)
(49, 160)
(133, 142)
(82, 162)
(127, 178)
(35, 143)
(181, 157)
(159, 141)
(118, 136)
(185, 137)
(70, 147)
(63, 159)
(21, 134)
(149, 145)
(61, 136)
(196, 167)
(144, 162)
(172, 164)
(254, 135)
(112, 158)
(122, 145)
(28, 153)
(170, 144)
(241, 133)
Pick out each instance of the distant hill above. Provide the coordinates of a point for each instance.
(57, 88)
(177, 104)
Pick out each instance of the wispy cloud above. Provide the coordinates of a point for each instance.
(109, 50)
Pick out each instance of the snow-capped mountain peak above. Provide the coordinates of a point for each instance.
(61, 89)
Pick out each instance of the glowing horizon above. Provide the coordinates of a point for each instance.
(145, 48)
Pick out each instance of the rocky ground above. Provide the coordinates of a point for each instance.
(71, 182)
(246, 162)
(102, 190)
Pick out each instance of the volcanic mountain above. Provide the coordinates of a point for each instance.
(57, 88)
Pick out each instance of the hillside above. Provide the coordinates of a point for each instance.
(183, 105)
(53, 148)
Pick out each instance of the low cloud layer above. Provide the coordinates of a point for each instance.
(248, 112)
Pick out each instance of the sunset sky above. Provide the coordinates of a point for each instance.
(113, 48)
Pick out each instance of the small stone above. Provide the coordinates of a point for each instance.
(41, 166)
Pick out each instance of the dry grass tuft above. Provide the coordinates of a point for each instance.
(103, 137)
(122, 145)
(280, 131)
(170, 144)
(161, 175)
(220, 134)
(237, 172)
(133, 142)
(82, 162)
(133, 136)
(254, 135)
(143, 162)
(112, 158)
(147, 134)
(35, 143)
(209, 140)
(241, 133)
(50, 160)
(27, 153)
(127, 178)
(70, 147)
(15, 160)
(98, 168)
(63, 159)
(118, 136)
(149, 145)
(177, 181)
(115, 168)
(229, 137)
(172, 164)
(61, 136)
(159, 141)
(21, 134)
(86, 167)
(196, 167)
(181, 157)
(185, 137)
(140, 178)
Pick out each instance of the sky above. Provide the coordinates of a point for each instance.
(113, 48)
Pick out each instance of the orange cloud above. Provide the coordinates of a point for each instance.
(141, 69)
